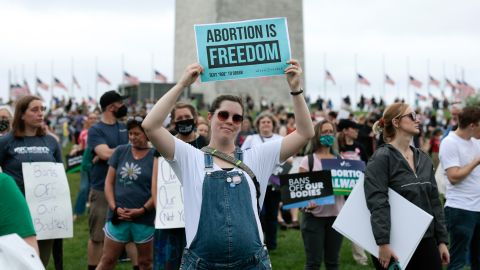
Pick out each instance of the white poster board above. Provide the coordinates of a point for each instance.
(16, 254)
(169, 212)
(48, 198)
(408, 224)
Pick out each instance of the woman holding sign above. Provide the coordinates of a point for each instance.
(128, 193)
(222, 200)
(321, 241)
(168, 244)
(409, 171)
(28, 142)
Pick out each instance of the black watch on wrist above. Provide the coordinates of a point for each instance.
(297, 92)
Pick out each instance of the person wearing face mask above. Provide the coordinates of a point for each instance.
(321, 242)
(5, 120)
(169, 243)
(103, 138)
(266, 124)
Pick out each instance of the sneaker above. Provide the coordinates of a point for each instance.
(294, 225)
(283, 225)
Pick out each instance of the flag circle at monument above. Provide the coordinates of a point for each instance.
(246, 49)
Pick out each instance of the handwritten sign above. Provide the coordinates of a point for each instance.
(297, 190)
(246, 49)
(345, 174)
(169, 212)
(48, 197)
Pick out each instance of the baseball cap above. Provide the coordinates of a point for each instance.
(346, 123)
(110, 97)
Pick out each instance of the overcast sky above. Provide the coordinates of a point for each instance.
(445, 34)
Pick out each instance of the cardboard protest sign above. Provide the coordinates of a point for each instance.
(246, 49)
(169, 212)
(74, 162)
(408, 224)
(299, 189)
(48, 198)
(345, 174)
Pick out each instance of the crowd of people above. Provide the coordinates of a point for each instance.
(226, 162)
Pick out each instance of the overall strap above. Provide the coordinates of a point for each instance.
(237, 162)
(310, 162)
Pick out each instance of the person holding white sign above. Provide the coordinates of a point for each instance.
(321, 242)
(409, 171)
(222, 201)
(29, 142)
(128, 193)
(168, 244)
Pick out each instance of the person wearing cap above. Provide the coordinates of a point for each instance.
(103, 138)
(349, 148)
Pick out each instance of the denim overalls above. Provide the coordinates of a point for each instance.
(227, 235)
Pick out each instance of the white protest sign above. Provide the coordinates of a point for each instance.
(48, 197)
(16, 254)
(408, 224)
(169, 212)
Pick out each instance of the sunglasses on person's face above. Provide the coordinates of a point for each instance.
(137, 119)
(224, 115)
(412, 116)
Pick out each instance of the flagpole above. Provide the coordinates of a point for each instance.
(153, 75)
(408, 81)
(428, 77)
(356, 82)
(383, 79)
(36, 77)
(70, 92)
(9, 85)
(122, 78)
(444, 78)
(96, 79)
(325, 75)
(51, 84)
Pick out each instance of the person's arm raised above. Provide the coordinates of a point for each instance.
(295, 140)
(158, 135)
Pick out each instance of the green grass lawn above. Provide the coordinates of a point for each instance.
(289, 255)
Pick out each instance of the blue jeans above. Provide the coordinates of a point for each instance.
(464, 229)
(82, 195)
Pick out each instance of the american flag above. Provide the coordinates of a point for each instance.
(362, 80)
(26, 88)
(415, 82)
(102, 79)
(160, 77)
(41, 84)
(91, 100)
(130, 79)
(389, 80)
(420, 97)
(449, 83)
(466, 90)
(329, 77)
(75, 82)
(434, 81)
(58, 83)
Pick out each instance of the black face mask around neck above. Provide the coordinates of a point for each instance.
(185, 127)
(121, 112)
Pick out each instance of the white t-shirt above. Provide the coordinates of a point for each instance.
(189, 166)
(255, 139)
(458, 152)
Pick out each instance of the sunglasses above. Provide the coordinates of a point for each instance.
(137, 119)
(224, 115)
(412, 116)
